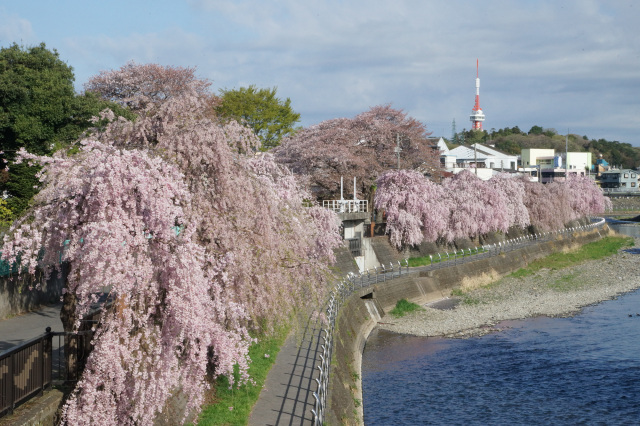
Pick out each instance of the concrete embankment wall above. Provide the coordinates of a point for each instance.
(25, 292)
(357, 318)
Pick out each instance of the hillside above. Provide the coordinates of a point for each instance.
(513, 140)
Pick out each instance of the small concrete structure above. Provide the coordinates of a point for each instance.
(354, 215)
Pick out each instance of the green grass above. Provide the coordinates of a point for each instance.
(592, 251)
(464, 296)
(425, 260)
(403, 307)
(566, 283)
(242, 399)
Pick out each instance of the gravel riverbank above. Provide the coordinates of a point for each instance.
(546, 293)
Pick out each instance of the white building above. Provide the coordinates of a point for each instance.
(578, 161)
(530, 156)
(478, 155)
(548, 166)
(484, 161)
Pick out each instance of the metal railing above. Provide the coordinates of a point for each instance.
(346, 206)
(353, 282)
(27, 370)
(626, 208)
(621, 190)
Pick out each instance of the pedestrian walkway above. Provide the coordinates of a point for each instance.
(21, 328)
(287, 395)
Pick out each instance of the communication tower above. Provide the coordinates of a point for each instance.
(477, 116)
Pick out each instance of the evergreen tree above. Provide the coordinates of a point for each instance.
(269, 117)
(40, 112)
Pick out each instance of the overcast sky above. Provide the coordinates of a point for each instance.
(567, 65)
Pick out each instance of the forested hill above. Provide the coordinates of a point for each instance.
(513, 140)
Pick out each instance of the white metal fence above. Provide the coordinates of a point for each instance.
(346, 206)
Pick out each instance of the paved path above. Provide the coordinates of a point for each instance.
(20, 328)
(287, 395)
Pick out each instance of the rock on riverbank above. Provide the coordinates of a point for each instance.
(546, 293)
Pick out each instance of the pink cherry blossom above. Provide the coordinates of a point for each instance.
(195, 240)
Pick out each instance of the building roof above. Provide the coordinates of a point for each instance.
(442, 146)
(483, 152)
(618, 171)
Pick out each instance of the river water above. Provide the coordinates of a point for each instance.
(543, 371)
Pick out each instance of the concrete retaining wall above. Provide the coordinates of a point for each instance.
(41, 411)
(354, 322)
(18, 294)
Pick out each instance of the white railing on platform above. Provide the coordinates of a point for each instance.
(346, 206)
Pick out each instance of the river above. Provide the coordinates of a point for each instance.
(563, 371)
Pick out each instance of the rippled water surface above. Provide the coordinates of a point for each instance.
(549, 371)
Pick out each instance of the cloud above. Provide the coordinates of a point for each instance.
(555, 64)
(172, 46)
(15, 29)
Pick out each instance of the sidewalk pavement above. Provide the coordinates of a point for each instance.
(21, 328)
(287, 395)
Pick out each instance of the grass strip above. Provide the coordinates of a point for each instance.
(592, 251)
(233, 406)
(403, 307)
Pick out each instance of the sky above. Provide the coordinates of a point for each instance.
(572, 66)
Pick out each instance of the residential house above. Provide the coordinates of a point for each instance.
(619, 180)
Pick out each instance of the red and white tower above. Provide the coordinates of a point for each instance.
(477, 116)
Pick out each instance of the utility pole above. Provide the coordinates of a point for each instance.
(566, 158)
(398, 149)
(475, 156)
